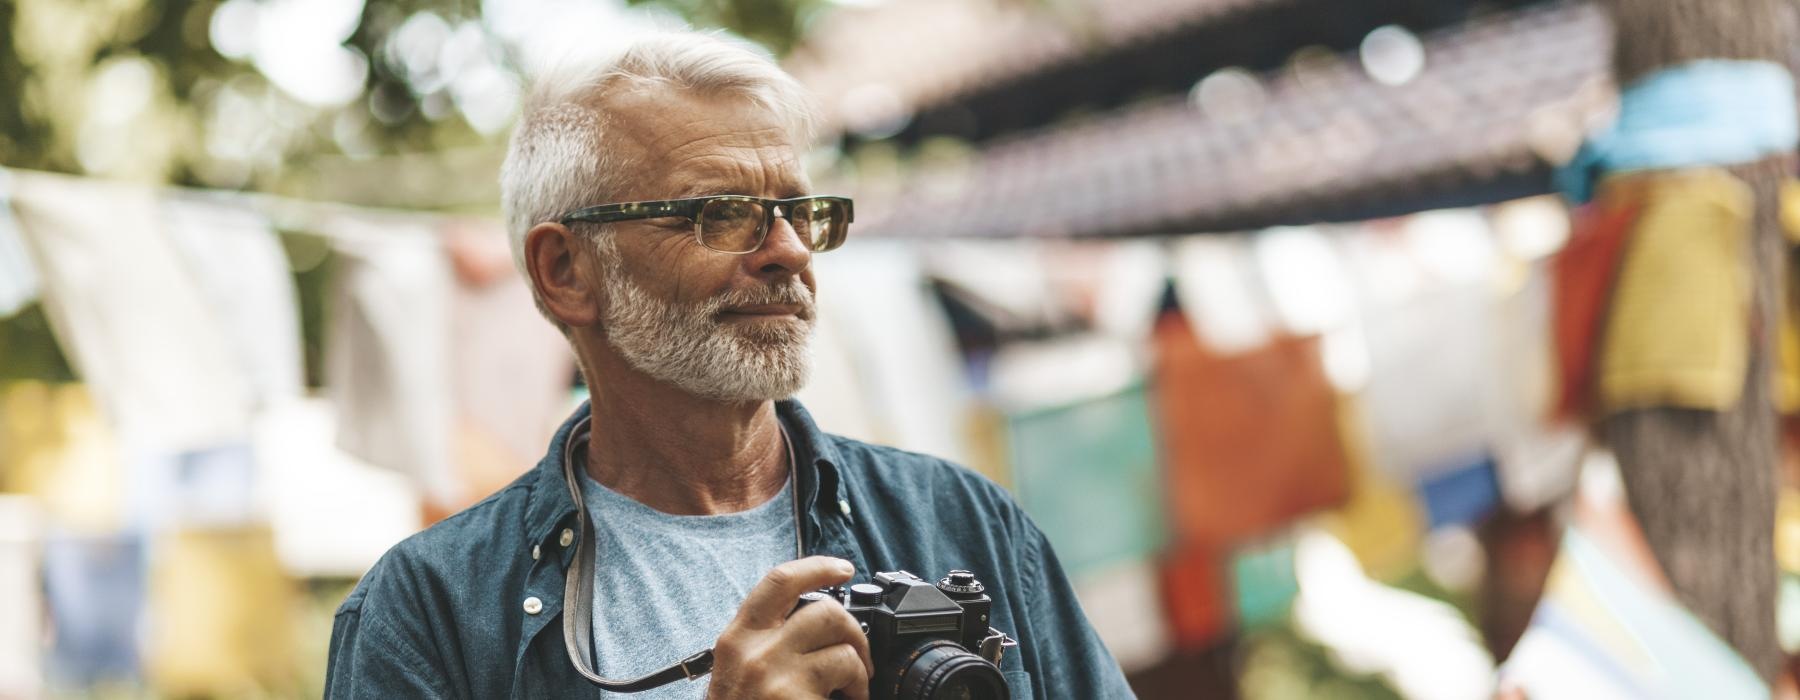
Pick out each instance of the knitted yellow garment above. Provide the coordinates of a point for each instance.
(1678, 331)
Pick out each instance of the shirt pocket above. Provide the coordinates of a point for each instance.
(1018, 685)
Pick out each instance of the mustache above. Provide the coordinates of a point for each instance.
(793, 292)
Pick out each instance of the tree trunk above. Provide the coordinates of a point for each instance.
(1703, 484)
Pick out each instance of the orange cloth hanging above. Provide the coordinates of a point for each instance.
(1195, 595)
(1251, 440)
(1583, 275)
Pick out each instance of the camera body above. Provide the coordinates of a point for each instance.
(926, 639)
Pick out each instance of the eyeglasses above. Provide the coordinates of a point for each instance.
(737, 224)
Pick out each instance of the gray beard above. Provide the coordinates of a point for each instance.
(688, 347)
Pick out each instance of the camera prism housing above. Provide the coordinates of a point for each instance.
(927, 640)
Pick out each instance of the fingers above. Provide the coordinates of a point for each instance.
(823, 625)
(840, 668)
(773, 597)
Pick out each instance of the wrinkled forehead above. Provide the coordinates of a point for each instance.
(683, 143)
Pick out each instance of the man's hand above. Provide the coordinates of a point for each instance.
(818, 651)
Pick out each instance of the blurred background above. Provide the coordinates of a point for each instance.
(1265, 310)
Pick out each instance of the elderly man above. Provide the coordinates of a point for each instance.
(658, 206)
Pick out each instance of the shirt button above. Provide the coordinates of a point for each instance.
(844, 506)
(568, 536)
(533, 606)
(535, 552)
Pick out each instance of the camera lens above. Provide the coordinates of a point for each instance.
(942, 670)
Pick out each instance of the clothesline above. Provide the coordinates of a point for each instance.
(285, 213)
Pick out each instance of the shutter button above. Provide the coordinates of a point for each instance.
(568, 536)
(533, 606)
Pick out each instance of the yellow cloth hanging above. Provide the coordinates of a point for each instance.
(1787, 348)
(1787, 337)
(1677, 333)
(1382, 523)
(1790, 210)
(221, 621)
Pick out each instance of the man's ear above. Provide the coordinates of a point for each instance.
(569, 294)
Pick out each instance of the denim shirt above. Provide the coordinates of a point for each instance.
(471, 608)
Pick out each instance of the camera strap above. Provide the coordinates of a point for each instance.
(578, 591)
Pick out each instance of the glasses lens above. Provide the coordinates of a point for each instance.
(821, 223)
(731, 225)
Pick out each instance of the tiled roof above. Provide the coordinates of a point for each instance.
(950, 47)
(1498, 97)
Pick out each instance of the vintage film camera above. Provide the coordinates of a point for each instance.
(926, 640)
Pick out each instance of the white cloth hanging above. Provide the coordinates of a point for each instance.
(236, 258)
(136, 326)
(1429, 347)
(901, 345)
(510, 369)
(1220, 293)
(388, 350)
(18, 274)
(1536, 459)
(21, 598)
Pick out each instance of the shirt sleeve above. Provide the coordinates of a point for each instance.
(373, 657)
(1068, 659)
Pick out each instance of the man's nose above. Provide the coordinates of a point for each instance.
(783, 252)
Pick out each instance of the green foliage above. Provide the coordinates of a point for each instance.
(28, 350)
(1278, 664)
(42, 90)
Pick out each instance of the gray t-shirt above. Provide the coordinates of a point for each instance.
(666, 585)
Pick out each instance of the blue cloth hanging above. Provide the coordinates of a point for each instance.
(1702, 113)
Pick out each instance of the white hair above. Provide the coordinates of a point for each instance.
(559, 159)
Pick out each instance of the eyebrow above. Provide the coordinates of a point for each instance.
(707, 189)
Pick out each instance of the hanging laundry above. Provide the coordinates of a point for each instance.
(1602, 631)
(881, 306)
(1786, 374)
(95, 589)
(1124, 603)
(336, 515)
(987, 440)
(235, 257)
(1429, 357)
(1706, 112)
(1263, 582)
(1677, 329)
(1381, 522)
(134, 321)
(387, 351)
(1087, 473)
(1009, 280)
(835, 392)
(1583, 280)
(1114, 287)
(210, 487)
(509, 368)
(1787, 528)
(1215, 284)
(18, 274)
(221, 621)
(1461, 494)
(1250, 441)
(1535, 454)
(57, 449)
(1790, 210)
(1308, 286)
(21, 598)
(1196, 594)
